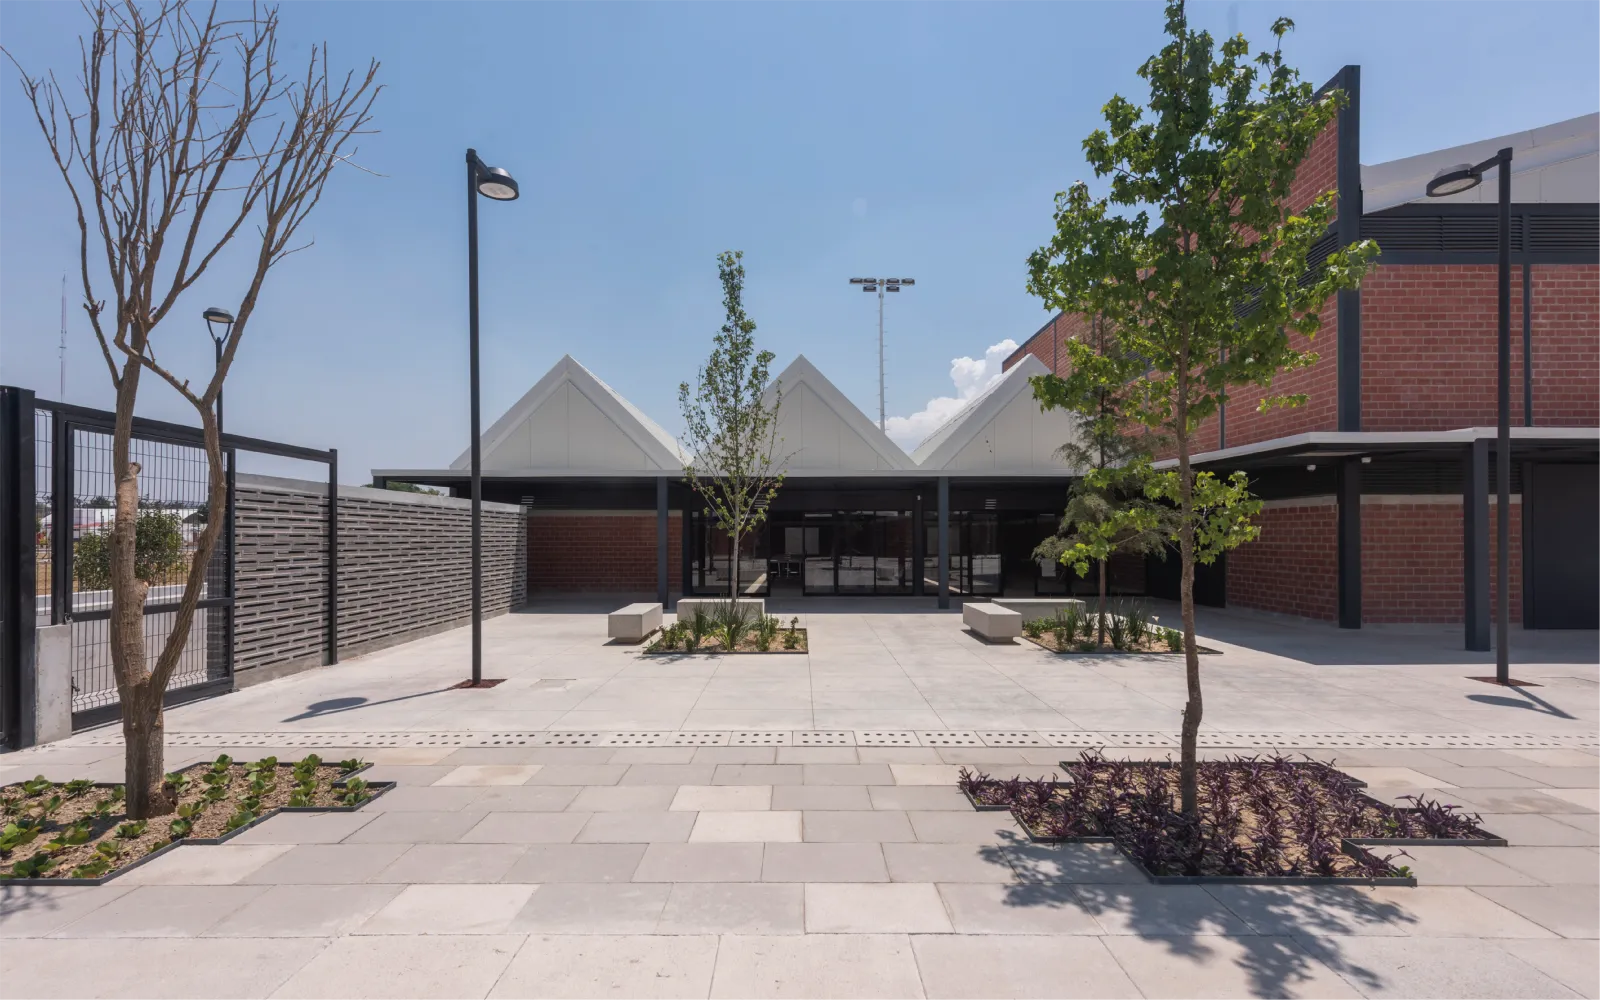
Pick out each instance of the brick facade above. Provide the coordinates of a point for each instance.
(605, 552)
(1293, 568)
(1411, 559)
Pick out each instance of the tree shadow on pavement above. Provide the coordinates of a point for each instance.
(1283, 932)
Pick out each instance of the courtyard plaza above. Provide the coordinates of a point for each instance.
(610, 823)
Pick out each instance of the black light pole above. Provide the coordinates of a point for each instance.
(1454, 180)
(214, 318)
(491, 182)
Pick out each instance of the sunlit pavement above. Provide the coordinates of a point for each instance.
(605, 823)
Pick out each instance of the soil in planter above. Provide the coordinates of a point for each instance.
(78, 829)
(1259, 816)
(1146, 644)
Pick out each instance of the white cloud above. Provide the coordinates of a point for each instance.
(971, 377)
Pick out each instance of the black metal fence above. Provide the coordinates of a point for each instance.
(55, 517)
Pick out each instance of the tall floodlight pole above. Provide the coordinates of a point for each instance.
(491, 182)
(1454, 180)
(881, 285)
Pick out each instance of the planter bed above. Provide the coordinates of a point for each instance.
(1263, 820)
(1048, 641)
(713, 645)
(85, 838)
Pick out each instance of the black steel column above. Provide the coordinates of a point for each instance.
(1502, 449)
(919, 547)
(1527, 335)
(477, 458)
(662, 595)
(17, 580)
(1348, 227)
(944, 541)
(1350, 543)
(1530, 558)
(231, 526)
(333, 555)
(63, 512)
(1475, 545)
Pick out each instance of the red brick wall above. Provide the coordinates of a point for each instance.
(1293, 568)
(1319, 171)
(600, 552)
(1045, 344)
(1411, 555)
(1566, 347)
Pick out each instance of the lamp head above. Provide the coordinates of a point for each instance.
(216, 315)
(496, 183)
(1454, 180)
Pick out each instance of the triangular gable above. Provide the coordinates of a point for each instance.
(1003, 430)
(823, 432)
(570, 420)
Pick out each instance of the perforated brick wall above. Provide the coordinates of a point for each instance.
(404, 568)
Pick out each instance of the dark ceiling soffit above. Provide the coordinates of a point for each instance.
(1529, 449)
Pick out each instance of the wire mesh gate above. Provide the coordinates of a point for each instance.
(56, 567)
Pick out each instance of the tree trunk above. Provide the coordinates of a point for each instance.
(143, 729)
(733, 572)
(1102, 616)
(1188, 774)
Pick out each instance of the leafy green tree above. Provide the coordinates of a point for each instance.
(731, 430)
(1109, 513)
(399, 487)
(1201, 270)
(158, 551)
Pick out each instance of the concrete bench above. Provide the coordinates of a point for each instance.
(634, 622)
(1034, 608)
(686, 605)
(992, 621)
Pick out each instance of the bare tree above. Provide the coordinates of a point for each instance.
(182, 133)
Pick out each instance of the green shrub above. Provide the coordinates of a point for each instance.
(158, 551)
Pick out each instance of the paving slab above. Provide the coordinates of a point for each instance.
(421, 966)
(1550, 865)
(1157, 910)
(326, 864)
(623, 798)
(523, 798)
(669, 774)
(1455, 865)
(856, 826)
(1436, 967)
(205, 864)
(946, 863)
(920, 798)
(816, 965)
(764, 825)
(967, 965)
(577, 863)
(525, 827)
(1093, 863)
(36, 910)
(216, 968)
(1573, 964)
(1214, 966)
(594, 908)
(451, 863)
(432, 798)
(822, 797)
(874, 908)
(492, 774)
(449, 908)
(637, 828)
(1383, 911)
(623, 965)
(734, 908)
(319, 911)
(415, 827)
(758, 774)
(1573, 911)
(162, 911)
(996, 908)
(809, 862)
(1531, 829)
(306, 828)
(942, 827)
(700, 862)
(722, 798)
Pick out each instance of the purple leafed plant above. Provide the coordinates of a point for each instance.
(1258, 815)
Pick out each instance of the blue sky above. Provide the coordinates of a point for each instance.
(824, 140)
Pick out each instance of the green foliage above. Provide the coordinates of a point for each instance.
(92, 869)
(77, 787)
(350, 764)
(732, 622)
(1199, 269)
(133, 830)
(412, 488)
(1173, 638)
(244, 816)
(18, 833)
(766, 630)
(37, 866)
(731, 430)
(700, 626)
(37, 786)
(158, 551)
(354, 792)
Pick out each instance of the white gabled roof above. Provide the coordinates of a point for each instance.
(1554, 163)
(570, 421)
(1002, 431)
(823, 432)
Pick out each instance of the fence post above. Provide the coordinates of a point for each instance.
(18, 585)
(64, 515)
(333, 556)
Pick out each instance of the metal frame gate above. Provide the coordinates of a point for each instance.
(57, 499)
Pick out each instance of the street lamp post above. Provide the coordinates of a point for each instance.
(881, 285)
(214, 318)
(1454, 180)
(490, 182)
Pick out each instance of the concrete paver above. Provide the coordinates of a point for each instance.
(624, 965)
(455, 965)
